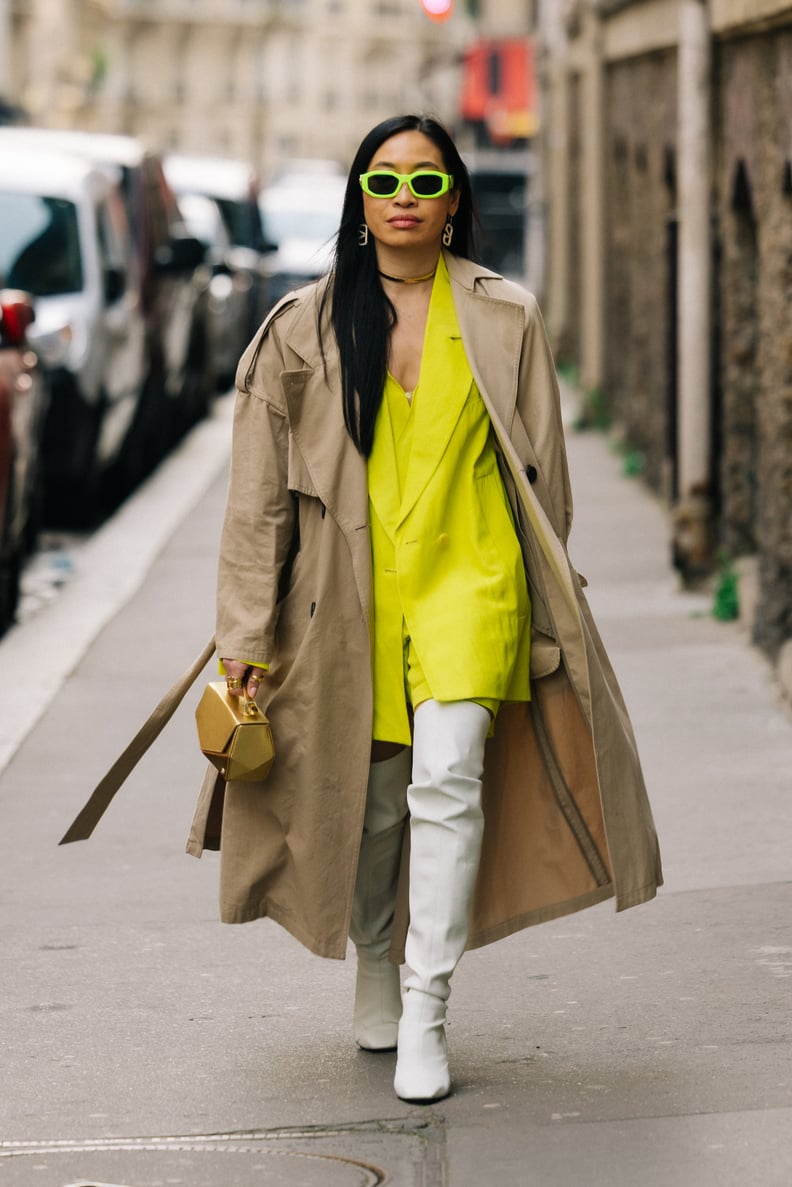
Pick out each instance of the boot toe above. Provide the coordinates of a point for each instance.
(379, 1038)
(377, 1005)
(422, 1090)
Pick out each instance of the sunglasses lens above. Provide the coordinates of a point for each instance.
(427, 185)
(383, 185)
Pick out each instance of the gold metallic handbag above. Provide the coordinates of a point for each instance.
(234, 735)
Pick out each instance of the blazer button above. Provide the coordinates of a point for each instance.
(442, 540)
(531, 473)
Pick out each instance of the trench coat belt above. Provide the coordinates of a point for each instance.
(100, 798)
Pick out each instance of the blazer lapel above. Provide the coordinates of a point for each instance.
(443, 388)
(445, 383)
(383, 472)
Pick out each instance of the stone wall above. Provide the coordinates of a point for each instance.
(569, 342)
(663, 396)
(753, 100)
(752, 294)
(640, 120)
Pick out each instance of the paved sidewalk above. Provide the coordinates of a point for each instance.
(144, 1043)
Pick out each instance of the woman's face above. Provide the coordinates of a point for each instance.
(405, 221)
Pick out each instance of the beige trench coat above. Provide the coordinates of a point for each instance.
(568, 822)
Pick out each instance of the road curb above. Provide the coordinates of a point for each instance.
(111, 569)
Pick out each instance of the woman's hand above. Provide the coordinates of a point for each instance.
(241, 678)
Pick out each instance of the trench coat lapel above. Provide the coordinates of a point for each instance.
(316, 419)
(494, 338)
(497, 342)
(334, 470)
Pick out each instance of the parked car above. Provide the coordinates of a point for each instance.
(24, 395)
(208, 187)
(170, 283)
(301, 212)
(64, 238)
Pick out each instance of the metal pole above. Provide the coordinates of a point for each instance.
(555, 165)
(693, 515)
(592, 232)
(5, 49)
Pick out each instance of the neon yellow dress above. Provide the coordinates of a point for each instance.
(451, 613)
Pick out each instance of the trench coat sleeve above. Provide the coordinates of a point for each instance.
(259, 522)
(539, 413)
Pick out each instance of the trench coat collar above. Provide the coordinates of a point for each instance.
(492, 330)
(468, 283)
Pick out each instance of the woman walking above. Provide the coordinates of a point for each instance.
(454, 759)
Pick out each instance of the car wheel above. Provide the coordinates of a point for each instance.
(199, 382)
(73, 490)
(10, 570)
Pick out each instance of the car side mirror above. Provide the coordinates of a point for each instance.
(185, 253)
(16, 314)
(114, 285)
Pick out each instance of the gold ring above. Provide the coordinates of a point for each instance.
(233, 682)
(255, 676)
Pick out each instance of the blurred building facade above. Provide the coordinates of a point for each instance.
(265, 80)
(273, 80)
(668, 175)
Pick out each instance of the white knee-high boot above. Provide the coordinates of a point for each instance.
(377, 989)
(446, 826)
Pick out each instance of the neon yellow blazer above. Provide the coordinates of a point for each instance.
(447, 568)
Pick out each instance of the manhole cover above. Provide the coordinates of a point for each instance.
(409, 1152)
(207, 1168)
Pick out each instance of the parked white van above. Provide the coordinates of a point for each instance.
(64, 237)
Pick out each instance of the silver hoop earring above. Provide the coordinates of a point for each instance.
(362, 235)
(448, 233)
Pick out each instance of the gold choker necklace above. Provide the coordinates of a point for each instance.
(409, 279)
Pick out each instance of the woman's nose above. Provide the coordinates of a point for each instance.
(405, 194)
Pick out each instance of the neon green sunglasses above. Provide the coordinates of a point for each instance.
(424, 183)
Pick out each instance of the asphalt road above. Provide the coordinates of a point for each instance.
(143, 1043)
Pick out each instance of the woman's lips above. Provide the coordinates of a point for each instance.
(403, 220)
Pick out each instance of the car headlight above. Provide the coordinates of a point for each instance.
(53, 346)
(65, 346)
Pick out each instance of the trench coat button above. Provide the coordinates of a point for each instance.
(442, 540)
(313, 608)
(531, 473)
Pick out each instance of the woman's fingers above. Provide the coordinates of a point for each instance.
(241, 678)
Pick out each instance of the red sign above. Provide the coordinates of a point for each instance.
(499, 89)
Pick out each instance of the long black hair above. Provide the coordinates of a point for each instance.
(360, 313)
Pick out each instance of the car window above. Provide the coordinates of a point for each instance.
(39, 244)
(203, 219)
(282, 223)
